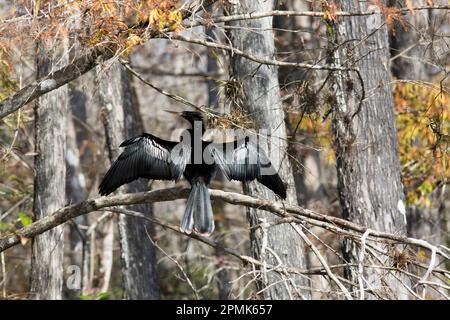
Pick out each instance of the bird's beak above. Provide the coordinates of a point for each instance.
(173, 112)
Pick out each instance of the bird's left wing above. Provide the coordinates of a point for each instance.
(146, 156)
(243, 160)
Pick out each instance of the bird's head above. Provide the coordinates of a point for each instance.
(191, 116)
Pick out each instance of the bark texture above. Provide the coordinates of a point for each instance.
(261, 95)
(368, 168)
(122, 122)
(49, 180)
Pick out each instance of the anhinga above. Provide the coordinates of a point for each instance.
(147, 156)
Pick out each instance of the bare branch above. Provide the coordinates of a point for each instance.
(72, 71)
(289, 212)
(322, 261)
(271, 62)
(54, 80)
(314, 14)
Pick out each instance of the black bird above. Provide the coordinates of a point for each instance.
(147, 156)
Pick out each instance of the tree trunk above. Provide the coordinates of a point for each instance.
(260, 91)
(137, 251)
(368, 168)
(50, 179)
(76, 192)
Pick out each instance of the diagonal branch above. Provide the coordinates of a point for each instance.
(77, 68)
(289, 213)
(54, 80)
(322, 261)
(244, 258)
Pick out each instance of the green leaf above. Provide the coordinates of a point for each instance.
(5, 226)
(103, 296)
(25, 219)
(98, 296)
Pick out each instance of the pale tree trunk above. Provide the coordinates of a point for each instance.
(137, 250)
(368, 168)
(50, 178)
(260, 90)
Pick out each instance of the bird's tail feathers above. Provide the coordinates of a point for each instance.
(198, 215)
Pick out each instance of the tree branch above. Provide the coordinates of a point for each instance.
(72, 71)
(289, 213)
(93, 55)
(54, 80)
(291, 13)
(257, 59)
(245, 259)
(279, 268)
(91, 58)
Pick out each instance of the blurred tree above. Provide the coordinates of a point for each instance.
(76, 192)
(121, 119)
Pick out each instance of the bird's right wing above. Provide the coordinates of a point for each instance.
(146, 156)
(243, 160)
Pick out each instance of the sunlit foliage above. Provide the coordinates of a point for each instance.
(423, 122)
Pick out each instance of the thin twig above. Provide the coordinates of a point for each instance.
(322, 261)
(188, 280)
(360, 264)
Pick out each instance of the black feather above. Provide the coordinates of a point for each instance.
(242, 160)
(147, 156)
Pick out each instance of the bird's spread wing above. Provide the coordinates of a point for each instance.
(242, 160)
(146, 156)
